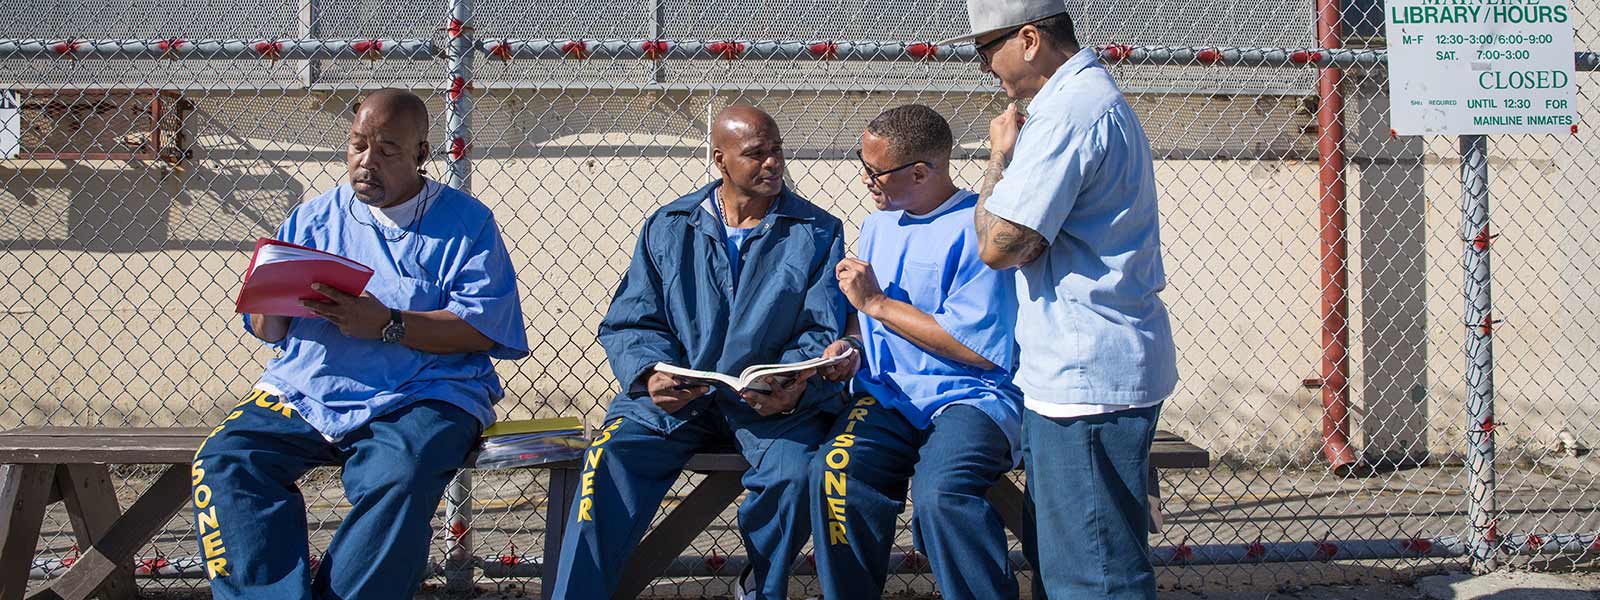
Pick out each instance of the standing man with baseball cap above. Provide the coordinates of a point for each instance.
(1070, 200)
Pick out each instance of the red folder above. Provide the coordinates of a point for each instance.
(280, 276)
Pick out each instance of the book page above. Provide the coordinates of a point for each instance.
(700, 375)
(276, 253)
(750, 375)
(755, 372)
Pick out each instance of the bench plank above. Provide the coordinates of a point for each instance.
(158, 445)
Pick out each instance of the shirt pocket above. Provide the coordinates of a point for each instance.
(923, 286)
(406, 293)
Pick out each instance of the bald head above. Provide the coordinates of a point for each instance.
(388, 146)
(740, 121)
(748, 150)
(396, 107)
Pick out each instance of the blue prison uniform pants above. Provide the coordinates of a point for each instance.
(859, 480)
(251, 518)
(629, 468)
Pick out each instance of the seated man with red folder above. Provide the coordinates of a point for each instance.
(394, 385)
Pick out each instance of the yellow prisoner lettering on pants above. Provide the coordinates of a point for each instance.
(207, 523)
(834, 479)
(591, 463)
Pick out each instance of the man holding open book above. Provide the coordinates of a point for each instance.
(738, 273)
(934, 406)
(393, 382)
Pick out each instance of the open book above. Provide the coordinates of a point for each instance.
(280, 276)
(750, 378)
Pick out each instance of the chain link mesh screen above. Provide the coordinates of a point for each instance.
(119, 273)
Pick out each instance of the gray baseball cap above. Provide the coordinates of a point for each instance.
(987, 16)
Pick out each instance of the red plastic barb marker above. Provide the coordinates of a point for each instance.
(170, 47)
(1327, 550)
(501, 50)
(923, 50)
(825, 50)
(368, 49)
(458, 86)
(1182, 554)
(1417, 546)
(577, 49)
(715, 562)
(1255, 551)
(654, 49)
(271, 50)
(1301, 57)
(1482, 241)
(726, 50)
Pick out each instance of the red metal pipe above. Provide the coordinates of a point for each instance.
(1335, 276)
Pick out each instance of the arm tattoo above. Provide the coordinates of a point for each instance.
(1022, 244)
(991, 177)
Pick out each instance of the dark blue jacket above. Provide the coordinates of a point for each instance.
(677, 304)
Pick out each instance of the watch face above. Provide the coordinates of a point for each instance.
(393, 332)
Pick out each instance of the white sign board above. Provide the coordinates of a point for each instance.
(1462, 67)
(10, 125)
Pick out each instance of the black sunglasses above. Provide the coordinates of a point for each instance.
(985, 47)
(874, 175)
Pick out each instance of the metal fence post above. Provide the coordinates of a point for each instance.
(657, 8)
(459, 50)
(310, 29)
(1479, 319)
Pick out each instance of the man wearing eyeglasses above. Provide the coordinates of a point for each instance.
(1069, 201)
(934, 405)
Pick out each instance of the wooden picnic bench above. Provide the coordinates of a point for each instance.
(43, 465)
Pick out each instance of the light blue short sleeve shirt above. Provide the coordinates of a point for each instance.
(931, 262)
(452, 259)
(1090, 325)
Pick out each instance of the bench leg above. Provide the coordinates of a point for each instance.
(677, 531)
(558, 505)
(113, 551)
(24, 493)
(1008, 500)
(92, 506)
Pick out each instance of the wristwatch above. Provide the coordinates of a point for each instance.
(856, 343)
(396, 329)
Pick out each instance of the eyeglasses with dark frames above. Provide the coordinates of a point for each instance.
(874, 175)
(984, 48)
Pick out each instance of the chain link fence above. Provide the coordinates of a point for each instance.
(145, 169)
